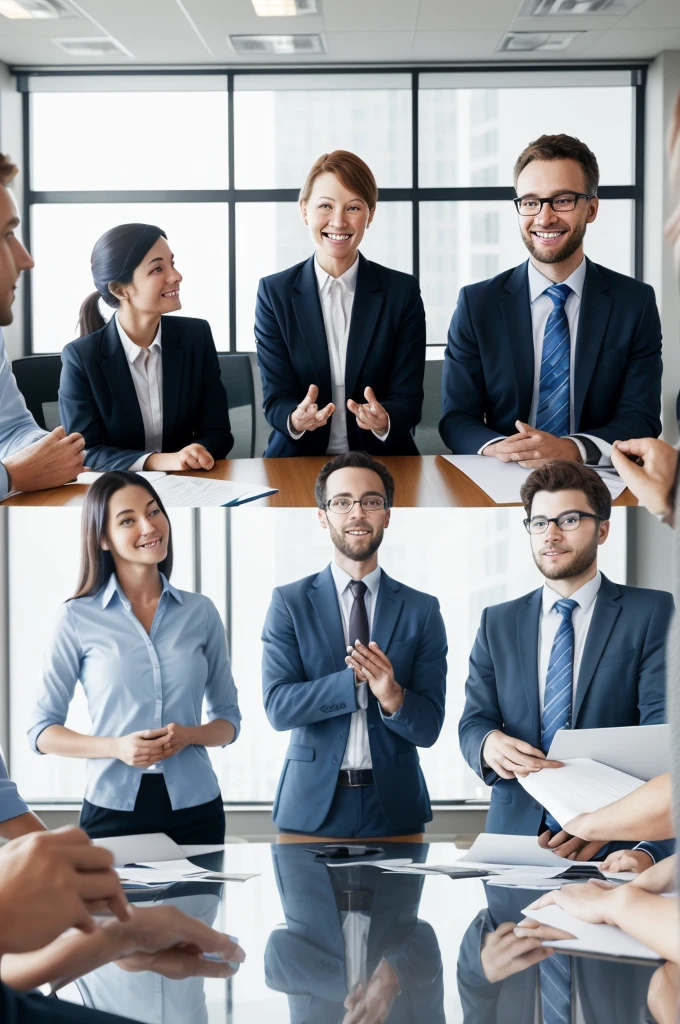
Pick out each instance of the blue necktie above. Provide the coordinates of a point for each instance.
(559, 683)
(555, 982)
(552, 414)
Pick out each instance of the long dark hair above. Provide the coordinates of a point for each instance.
(115, 257)
(96, 565)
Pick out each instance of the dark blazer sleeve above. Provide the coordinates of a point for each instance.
(638, 409)
(291, 700)
(213, 430)
(462, 425)
(420, 718)
(403, 400)
(481, 713)
(281, 390)
(79, 413)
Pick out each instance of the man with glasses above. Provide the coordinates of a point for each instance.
(581, 652)
(559, 357)
(354, 664)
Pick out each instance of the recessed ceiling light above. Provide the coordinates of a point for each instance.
(577, 8)
(277, 44)
(537, 40)
(92, 46)
(41, 9)
(284, 8)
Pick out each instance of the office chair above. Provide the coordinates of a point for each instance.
(237, 376)
(427, 432)
(38, 381)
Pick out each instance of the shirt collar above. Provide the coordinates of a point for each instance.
(343, 579)
(348, 280)
(113, 587)
(584, 596)
(538, 282)
(132, 351)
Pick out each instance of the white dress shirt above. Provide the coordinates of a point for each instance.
(541, 308)
(357, 750)
(146, 369)
(336, 295)
(549, 622)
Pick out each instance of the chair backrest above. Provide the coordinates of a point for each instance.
(38, 381)
(427, 432)
(237, 376)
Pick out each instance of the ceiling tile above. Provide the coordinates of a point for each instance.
(653, 14)
(371, 16)
(462, 16)
(455, 45)
(633, 44)
(369, 46)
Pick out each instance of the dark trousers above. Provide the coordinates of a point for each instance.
(355, 813)
(32, 1008)
(153, 813)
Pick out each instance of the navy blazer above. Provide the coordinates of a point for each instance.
(34, 1008)
(385, 351)
(621, 681)
(97, 397)
(488, 374)
(309, 689)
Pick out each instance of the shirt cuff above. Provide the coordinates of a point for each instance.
(385, 434)
(139, 464)
(648, 849)
(503, 437)
(4, 482)
(603, 447)
(293, 433)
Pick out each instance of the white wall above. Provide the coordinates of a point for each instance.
(11, 144)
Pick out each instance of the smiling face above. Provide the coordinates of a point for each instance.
(154, 289)
(137, 532)
(337, 219)
(13, 257)
(562, 554)
(357, 534)
(554, 237)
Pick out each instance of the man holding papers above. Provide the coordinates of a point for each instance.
(580, 652)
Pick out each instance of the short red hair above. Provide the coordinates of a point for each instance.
(349, 169)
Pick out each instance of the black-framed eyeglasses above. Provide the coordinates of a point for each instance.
(567, 521)
(565, 202)
(343, 505)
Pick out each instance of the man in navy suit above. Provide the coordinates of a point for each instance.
(581, 652)
(354, 664)
(559, 357)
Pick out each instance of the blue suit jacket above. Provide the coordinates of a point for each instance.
(309, 690)
(621, 682)
(385, 351)
(97, 397)
(488, 374)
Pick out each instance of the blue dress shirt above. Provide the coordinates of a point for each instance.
(18, 429)
(11, 804)
(134, 680)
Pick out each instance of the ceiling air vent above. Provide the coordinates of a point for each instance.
(93, 46)
(38, 9)
(284, 8)
(526, 41)
(577, 8)
(277, 44)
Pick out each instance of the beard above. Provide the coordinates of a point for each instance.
(358, 553)
(573, 243)
(579, 563)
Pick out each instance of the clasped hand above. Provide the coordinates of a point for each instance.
(149, 746)
(372, 665)
(532, 448)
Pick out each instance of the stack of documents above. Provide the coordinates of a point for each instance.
(154, 860)
(502, 480)
(601, 939)
(195, 491)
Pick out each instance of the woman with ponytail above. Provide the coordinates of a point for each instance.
(144, 388)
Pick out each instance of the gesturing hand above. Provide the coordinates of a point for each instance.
(652, 482)
(532, 448)
(508, 756)
(564, 844)
(371, 664)
(307, 416)
(372, 415)
(141, 749)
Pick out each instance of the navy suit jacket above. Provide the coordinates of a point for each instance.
(621, 681)
(309, 690)
(488, 374)
(385, 351)
(33, 1008)
(97, 397)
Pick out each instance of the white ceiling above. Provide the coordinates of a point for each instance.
(196, 31)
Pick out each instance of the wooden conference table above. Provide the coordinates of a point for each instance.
(421, 481)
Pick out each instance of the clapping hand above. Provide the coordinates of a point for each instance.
(373, 665)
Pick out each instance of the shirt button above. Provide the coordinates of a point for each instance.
(538, 807)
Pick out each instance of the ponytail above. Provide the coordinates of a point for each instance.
(90, 318)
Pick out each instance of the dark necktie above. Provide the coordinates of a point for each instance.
(358, 630)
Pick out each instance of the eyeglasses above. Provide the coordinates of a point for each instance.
(570, 520)
(341, 505)
(565, 202)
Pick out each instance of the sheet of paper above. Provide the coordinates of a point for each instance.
(152, 846)
(91, 475)
(642, 751)
(201, 492)
(583, 785)
(182, 866)
(502, 480)
(590, 938)
(366, 862)
(165, 874)
(199, 851)
(493, 850)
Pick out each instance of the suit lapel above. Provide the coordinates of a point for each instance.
(116, 369)
(527, 642)
(605, 613)
(596, 306)
(387, 611)
(324, 600)
(368, 301)
(519, 347)
(172, 358)
(307, 306)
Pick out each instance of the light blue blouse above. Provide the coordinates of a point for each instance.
(11, 804)
(134, 680)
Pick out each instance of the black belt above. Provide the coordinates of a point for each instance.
(356, 777)
(354, 900)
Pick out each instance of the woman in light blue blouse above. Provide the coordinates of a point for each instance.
(147, 656)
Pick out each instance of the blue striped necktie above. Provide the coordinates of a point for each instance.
(559, 682)
(555, 982)
(552, 414)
